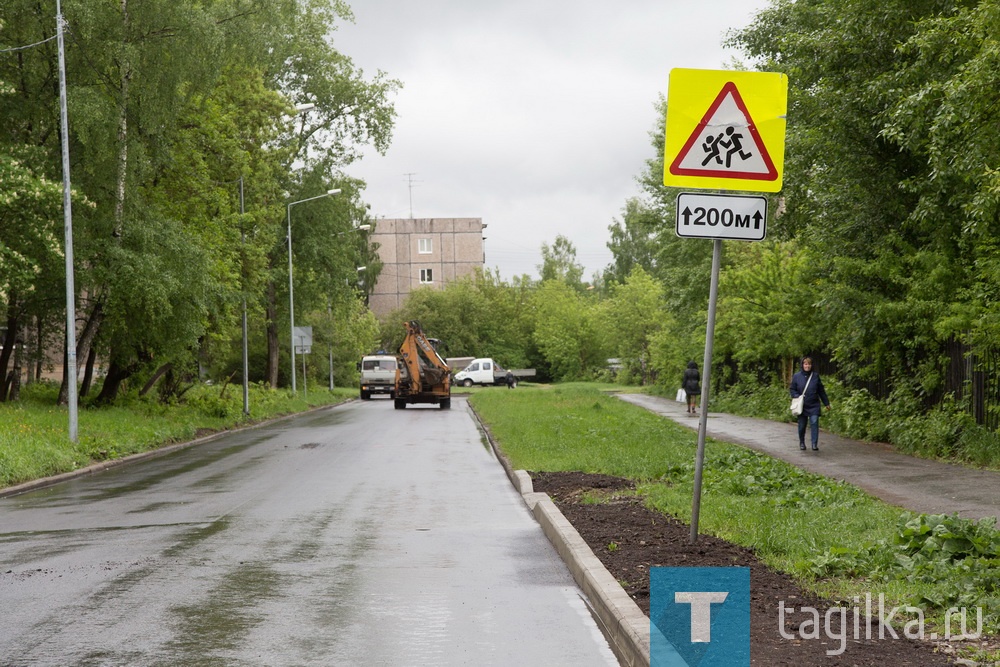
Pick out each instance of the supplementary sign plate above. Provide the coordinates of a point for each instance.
(725, 130)
(735, 217)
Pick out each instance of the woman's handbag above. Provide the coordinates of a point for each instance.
(797, 402)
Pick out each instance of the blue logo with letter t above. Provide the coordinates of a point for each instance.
(699, 617)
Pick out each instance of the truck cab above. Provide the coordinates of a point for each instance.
(378, 375)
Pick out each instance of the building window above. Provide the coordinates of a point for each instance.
(425, 247)
(426, 276)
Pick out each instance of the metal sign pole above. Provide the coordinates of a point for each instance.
(705, 384)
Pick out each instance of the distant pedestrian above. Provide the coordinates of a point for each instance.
(511, 380)
(807, 383)
(691, 384)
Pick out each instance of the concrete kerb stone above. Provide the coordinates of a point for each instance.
(102, 466)
(621, 621)
(522, 482)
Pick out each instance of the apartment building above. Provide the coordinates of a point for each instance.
(423, 252)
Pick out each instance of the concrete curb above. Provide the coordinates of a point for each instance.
(622, 622)
(102, 466)
(624, 625)
(142, 456)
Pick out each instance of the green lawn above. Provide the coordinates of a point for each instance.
(836, 539)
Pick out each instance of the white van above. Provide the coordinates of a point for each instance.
(378, 375)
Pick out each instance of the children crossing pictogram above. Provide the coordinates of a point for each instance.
(725, 130)
(726, 143)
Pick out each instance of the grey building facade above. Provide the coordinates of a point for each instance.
(423, 252)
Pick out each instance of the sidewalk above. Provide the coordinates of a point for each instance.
(911, 483)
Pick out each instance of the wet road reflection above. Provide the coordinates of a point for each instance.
(360, 535)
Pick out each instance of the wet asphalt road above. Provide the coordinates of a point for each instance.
(360, 535)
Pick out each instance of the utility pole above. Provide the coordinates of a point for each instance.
(68, 233)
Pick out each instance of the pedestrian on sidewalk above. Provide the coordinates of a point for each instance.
(691, 383)
(808, 381)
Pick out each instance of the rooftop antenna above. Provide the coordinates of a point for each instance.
(410, 182)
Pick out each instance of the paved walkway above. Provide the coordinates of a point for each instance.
(908, 482)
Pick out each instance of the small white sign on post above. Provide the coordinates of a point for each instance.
(303, 340)
(718, 216)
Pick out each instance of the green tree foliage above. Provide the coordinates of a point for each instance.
(889, 269)
(645, 238)
(559, 263)
(549, 326)
(475, 316)
(31, 252)
(567, 331)
(882, 245)
(171, 106)
(767, 305)
(683, 265)
(635, 240)
(945, 111)
(633, 316)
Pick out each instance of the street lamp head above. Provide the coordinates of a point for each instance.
(335, 191)
(364, 228)
(361, 268)
(306, 106)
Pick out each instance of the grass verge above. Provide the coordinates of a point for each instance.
(34, 433)
(834, 538)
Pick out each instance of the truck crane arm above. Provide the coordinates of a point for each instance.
(427, 376)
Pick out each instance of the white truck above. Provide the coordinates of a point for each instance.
(378, 375)
(485, 371)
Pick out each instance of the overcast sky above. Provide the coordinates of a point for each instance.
(533, 115)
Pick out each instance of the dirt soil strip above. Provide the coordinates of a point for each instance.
(644, 538)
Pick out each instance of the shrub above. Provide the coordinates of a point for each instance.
(861, 416)
(979, 445)
(934, 434)
(749, 399)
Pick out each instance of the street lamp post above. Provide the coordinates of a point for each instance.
(291, 283)
(243, 288)
(70, 369)
(331, 343)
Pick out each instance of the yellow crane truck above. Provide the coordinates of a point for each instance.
(422, 376)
